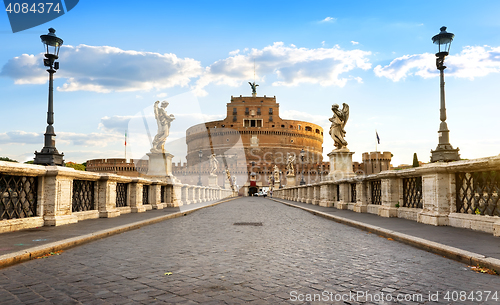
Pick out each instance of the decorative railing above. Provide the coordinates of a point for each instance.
(145, 194)
(83, 196)
(478, 192)
(18, 196)
(376, 188)
(338, 192)
(412, 192)
(353, 192)
(121, 194)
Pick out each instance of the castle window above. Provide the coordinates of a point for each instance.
(308, 128)
(291, 126)
(252, 123)
(299, 127)
(282, 126)
(258, 111)
(271, 119)
(317, 130)
(270, 110)
(234, 118)
(247, 112)
(234, 111)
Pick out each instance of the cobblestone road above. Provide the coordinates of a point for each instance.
(294, 255)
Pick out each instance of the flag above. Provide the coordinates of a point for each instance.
(378, 139)
(125, 138)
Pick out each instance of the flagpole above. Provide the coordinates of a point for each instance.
(376, 140)
(125, 146)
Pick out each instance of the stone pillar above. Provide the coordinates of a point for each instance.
(340, 164)
(325, 198)
(155, 196)
(174, 192)
(390, 189)
(107, 196)
(361, 197)
(309, 196)
(136, 204)
(343, 198)
(212, 180)
(57, 194)
(316, 194)
(160, 164)
(438, 195)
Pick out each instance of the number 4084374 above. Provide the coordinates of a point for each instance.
(36, 8)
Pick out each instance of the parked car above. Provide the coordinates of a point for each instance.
(262, 194)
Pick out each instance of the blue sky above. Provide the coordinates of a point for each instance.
(377, 56)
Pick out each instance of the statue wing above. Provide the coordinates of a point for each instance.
(345, 111)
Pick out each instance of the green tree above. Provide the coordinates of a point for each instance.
(76, 166)
(7, 159)
(415, 160)
(30, 162)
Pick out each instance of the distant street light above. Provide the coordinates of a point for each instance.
(444, 151)
(200, 154)
(302, 156)
(49, 154)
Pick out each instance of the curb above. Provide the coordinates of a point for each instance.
(453, 253)
(34, 252)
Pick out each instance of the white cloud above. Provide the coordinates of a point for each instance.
(290, 64)
(232, 53)
(93, 139)
(115, 124)
(354, 42)
(106, 69)
(161, 95)
(329, 19)
(21, 137)
(471, 62)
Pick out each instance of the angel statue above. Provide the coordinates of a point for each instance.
(163, 120)
(338, 120)
(276, 173)
(214, 165)
(289, 164)
(254, 88)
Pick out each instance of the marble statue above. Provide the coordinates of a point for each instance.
(163, 120)
(338, 120)
(289, 164)
(276, 173)
(214, 164)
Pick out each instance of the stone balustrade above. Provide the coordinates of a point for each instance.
(34, 196)
(462, 194)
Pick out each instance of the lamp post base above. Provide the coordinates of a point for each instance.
(445, 153)
(49, 157)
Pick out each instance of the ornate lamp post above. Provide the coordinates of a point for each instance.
(200, 154)
(49, 154)
(444, 151)
(302, 156)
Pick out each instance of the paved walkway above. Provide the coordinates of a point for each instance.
(221, 255)
(457, 243)
(24, 245)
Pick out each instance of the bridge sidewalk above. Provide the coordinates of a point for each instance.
(16, 247)
(464, 245)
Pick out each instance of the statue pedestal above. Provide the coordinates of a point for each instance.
(160, 164)
(276, 185)
(290, 180)
(340, 164)
(212, 181)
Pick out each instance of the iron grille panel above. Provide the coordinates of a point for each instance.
(478, 193)
(83, 196)
(338, 192)
(18, 196)
(145, 194)
(376, 192)
(163, 192)
(353, 192)
(121, 194)
(412, 192)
